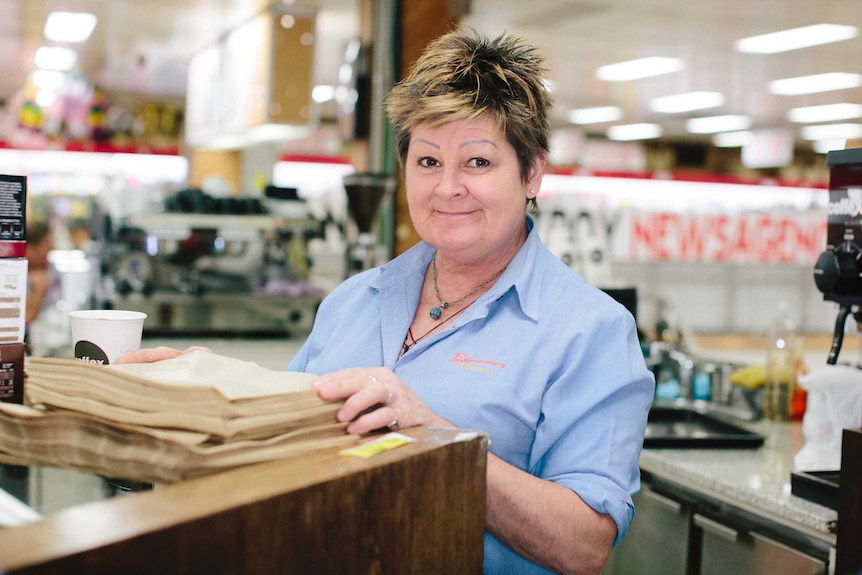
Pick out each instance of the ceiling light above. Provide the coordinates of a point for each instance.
(824, 146)
(832, 131)
(825, 113)
(48, 79)
(351, 52)
(641, 68)
(595, 115)
(69, 26)
(815, 83)
(46, 98)
(796, 38)
(714, 124)
(323, 93)
(628, 132)
(345, 74)
(686, 102)
(55, 58)
(732, 139)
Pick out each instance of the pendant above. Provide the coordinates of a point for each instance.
(435, 312)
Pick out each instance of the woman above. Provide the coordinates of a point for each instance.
(480, 326)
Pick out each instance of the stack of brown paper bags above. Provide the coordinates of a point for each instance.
(164, 421)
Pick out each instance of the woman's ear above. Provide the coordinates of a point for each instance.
(537, 170)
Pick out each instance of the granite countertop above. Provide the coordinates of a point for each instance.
(756, 480)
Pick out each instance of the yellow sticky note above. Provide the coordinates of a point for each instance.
(379, 445)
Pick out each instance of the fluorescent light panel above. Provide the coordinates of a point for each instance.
(824, 146)
(595, 115)
(69, 26)
(687, 102)
(824, 113)
(55, 58)
(627, 132)
(48, 79)
(832, 132)
(351, 52)
(641, 68)
(714, 124)
(796, 38)
(732, 139)
(45, 98)
(815, 83)
(345, 74)
(323, 93)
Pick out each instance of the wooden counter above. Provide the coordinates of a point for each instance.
(419, 508)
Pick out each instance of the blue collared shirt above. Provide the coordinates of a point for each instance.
(548, 365)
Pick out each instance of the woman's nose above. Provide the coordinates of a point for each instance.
(450, 183)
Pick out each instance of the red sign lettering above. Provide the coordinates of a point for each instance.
(740, 238)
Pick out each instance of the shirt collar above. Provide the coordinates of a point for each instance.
(522, 274)
(525, 272)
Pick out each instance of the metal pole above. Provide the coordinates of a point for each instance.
(382, 80)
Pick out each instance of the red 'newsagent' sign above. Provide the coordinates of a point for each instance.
(721, 238)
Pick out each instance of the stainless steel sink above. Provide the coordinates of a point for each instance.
(698, 424)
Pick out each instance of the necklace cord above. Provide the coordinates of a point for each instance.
(414, 340)
(436, 312)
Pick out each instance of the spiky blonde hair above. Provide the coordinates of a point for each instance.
(464, 75)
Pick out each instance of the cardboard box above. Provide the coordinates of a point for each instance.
(13, 202)
(12, 373)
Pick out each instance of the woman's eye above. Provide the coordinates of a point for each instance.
(478, 163)
(427, 162)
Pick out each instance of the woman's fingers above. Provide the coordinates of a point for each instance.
(370, 397)
(382, 417)
(347, 382)
(196, 348)
(151, 354)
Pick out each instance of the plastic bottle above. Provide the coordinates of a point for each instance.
(780, 368)
(799, 397)
(702, 386)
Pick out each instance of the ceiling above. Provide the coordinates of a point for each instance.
(144, 48)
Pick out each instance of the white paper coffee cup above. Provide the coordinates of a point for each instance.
(100, 336)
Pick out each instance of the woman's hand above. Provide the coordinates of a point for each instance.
(375, 398)
(149, 355)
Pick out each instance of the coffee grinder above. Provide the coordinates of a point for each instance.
(838, 271)
(366, 194)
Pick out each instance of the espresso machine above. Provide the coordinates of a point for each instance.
(214, 266)
(838, 271)
(366, 194)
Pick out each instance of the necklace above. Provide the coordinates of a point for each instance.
(410, 341)
(436, 312)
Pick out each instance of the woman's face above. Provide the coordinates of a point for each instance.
(465, 192)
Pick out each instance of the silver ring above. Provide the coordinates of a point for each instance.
(389, 391)
(393, 425)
